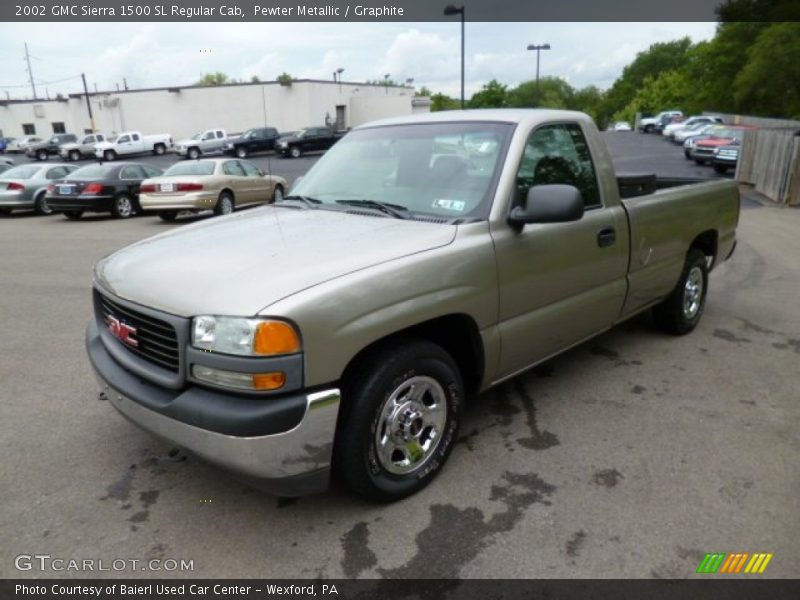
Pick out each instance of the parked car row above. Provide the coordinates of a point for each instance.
(127, 188)
(709, 143)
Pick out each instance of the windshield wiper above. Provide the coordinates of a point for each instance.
(394, 210)
(307, 200)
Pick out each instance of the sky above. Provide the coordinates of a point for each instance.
(173, 54)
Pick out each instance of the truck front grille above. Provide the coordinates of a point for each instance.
(156, 341)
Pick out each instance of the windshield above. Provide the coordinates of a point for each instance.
(728, 133)
(205, 167)
(91, 172)
(443, 169)
(300, 133)
(22, 172)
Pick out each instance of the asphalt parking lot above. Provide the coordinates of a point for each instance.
(630, 456)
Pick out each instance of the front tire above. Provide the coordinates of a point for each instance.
(193, 153)
(41, 155)
(295, 152)
(122, 207)
(225, 205)
(277, 194)
(74, 155)
(241, 152)
(109, 155)
(159, 149)
(399, 420)
(680, 312)
(720, 169)
(648, 128)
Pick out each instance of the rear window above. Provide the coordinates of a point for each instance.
(191, 168)
(22, 172)
(92, 172)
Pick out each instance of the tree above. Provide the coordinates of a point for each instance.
(284, 78)
(255, 79)
(671, 89)
(769, 84)
(590, 100)
(423, 91)
(551, 92)
(440, 101)
(492, 95)
(217, 78)
(660, 57)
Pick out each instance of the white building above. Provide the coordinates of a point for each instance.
(183, 111)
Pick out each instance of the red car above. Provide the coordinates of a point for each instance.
(703, 151)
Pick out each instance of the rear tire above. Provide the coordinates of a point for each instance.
(277, 194)
(73, 215)
(74, 155)
(225, 204)
(109, 155)
(168, 215)
(648, 128)
(40, 205)
(41, 155)
(241, 152)
(680, 312)
(399, 420)
(122, 207)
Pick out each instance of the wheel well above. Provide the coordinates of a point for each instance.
(706, 242)
(229, 191)
(457, 333)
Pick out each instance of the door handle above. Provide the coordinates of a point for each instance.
(606, 237)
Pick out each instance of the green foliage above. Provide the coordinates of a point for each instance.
(769, 84)
(217, 78)
(550, 92)
(284, 78)
(255, 79)
(492, 95)
(442, 102)
(423, 91)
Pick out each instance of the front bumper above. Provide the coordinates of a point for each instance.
(293, 462)
(728, 161)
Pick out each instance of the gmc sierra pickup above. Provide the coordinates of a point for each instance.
(421, 260)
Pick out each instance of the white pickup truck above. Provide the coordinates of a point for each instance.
(205, 142)
(133, 142)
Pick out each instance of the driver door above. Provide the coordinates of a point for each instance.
(559, 283)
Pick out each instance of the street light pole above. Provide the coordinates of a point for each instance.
(450, 10)
(538, 48)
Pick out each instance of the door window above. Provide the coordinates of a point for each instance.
(249, 169)
(232, 167)
(558, 153)
(124, 139)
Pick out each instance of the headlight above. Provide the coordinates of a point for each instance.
(248, 337)
(282, 144)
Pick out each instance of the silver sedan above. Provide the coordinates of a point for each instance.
(25, 186)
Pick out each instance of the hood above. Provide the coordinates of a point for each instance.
(240, 264)
(714, 142)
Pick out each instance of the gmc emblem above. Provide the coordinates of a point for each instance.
(124, 333)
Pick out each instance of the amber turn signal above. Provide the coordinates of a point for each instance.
(269, 381)
(275, 337)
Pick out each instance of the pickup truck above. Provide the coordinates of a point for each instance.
(43, 150)
(205, 142)
(83, 148)
(259, 139)
(310, 139)
(422, 260)
(651, 124)
(133, 142)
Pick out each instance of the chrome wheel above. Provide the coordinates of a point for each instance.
(225, 205)
(241, 153)
(693, 293)
(124, 207)
(411, 424)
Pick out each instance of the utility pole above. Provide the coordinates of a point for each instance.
(30, 72)
(88, 103)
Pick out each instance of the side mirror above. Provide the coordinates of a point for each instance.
(262, 173)
(553, 203)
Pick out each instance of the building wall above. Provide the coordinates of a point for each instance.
(235, 108)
